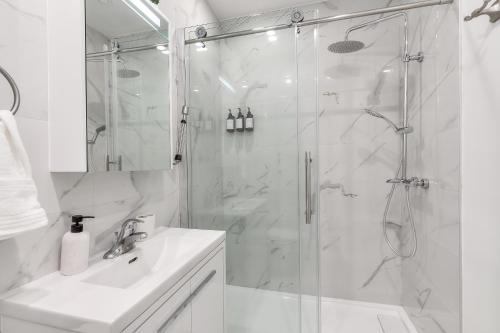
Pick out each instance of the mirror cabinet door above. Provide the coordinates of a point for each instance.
(128, 78)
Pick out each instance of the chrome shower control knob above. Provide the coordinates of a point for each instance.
(420, 182)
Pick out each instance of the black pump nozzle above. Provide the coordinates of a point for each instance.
(76, 220)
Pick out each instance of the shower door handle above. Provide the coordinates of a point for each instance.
(308, 189)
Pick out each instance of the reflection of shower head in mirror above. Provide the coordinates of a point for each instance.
(96, 135)
(128, 73)
(100, 129)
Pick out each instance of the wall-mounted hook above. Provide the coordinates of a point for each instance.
(492, 11)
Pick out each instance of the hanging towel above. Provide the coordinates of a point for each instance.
(20, 210)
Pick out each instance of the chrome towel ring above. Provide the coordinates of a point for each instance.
(15, 90)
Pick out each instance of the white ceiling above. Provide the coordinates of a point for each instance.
(235, 8)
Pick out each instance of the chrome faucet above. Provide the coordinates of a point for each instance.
(125, 241)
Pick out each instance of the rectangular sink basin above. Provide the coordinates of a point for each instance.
(124, 273)
(132, 267)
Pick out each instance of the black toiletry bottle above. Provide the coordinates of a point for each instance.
(240, 121)
(249, 121)
(230, 122)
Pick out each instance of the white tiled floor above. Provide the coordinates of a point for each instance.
(259, 311)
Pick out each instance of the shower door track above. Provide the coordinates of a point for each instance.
(126, 50)
(341, 17)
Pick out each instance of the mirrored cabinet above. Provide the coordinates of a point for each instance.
(118, 118)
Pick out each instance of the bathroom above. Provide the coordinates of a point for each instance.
(249, 166)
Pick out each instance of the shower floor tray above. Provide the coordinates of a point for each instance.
(262, 311)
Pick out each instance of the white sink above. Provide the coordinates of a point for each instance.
(111, 293)
(147, 258)
(124, 273)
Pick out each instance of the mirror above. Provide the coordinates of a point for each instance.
(128, 83)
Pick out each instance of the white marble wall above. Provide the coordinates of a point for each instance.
(111, 197)
(253, 192)
(431, 280)
(357, 153)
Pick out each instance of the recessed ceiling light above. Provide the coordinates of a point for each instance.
(161, 47)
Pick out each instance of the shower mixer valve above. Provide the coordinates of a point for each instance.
(412, 182)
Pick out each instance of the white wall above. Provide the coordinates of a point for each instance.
(480, 172)
(111, 197)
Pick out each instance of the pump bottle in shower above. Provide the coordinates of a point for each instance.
(240, 121)
(230, 122)
(249, 121)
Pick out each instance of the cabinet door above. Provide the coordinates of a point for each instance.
(208, 305)
(163, 322)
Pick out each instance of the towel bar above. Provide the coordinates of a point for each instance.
(15, 90)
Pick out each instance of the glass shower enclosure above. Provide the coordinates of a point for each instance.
(257, 183)
(330, 118)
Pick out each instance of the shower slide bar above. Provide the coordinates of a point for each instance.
(341, 17)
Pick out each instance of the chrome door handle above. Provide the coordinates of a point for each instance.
(186, 302)
(308, 189)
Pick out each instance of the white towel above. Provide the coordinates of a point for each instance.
(20, 210)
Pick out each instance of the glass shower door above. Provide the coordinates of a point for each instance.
(252, 183)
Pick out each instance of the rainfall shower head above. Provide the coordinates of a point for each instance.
(346, 46)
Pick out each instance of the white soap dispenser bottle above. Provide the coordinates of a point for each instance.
(75, 247)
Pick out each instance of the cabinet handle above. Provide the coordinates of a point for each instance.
(186, 302)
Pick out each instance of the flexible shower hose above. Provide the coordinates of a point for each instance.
(412, 221)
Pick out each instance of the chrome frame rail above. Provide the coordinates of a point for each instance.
(125, 50)
(420, 4)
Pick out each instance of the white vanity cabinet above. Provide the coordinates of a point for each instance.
(199, 304)
(177, 286)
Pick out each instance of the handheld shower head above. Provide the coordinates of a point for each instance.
(381, 116)
(98, 131)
